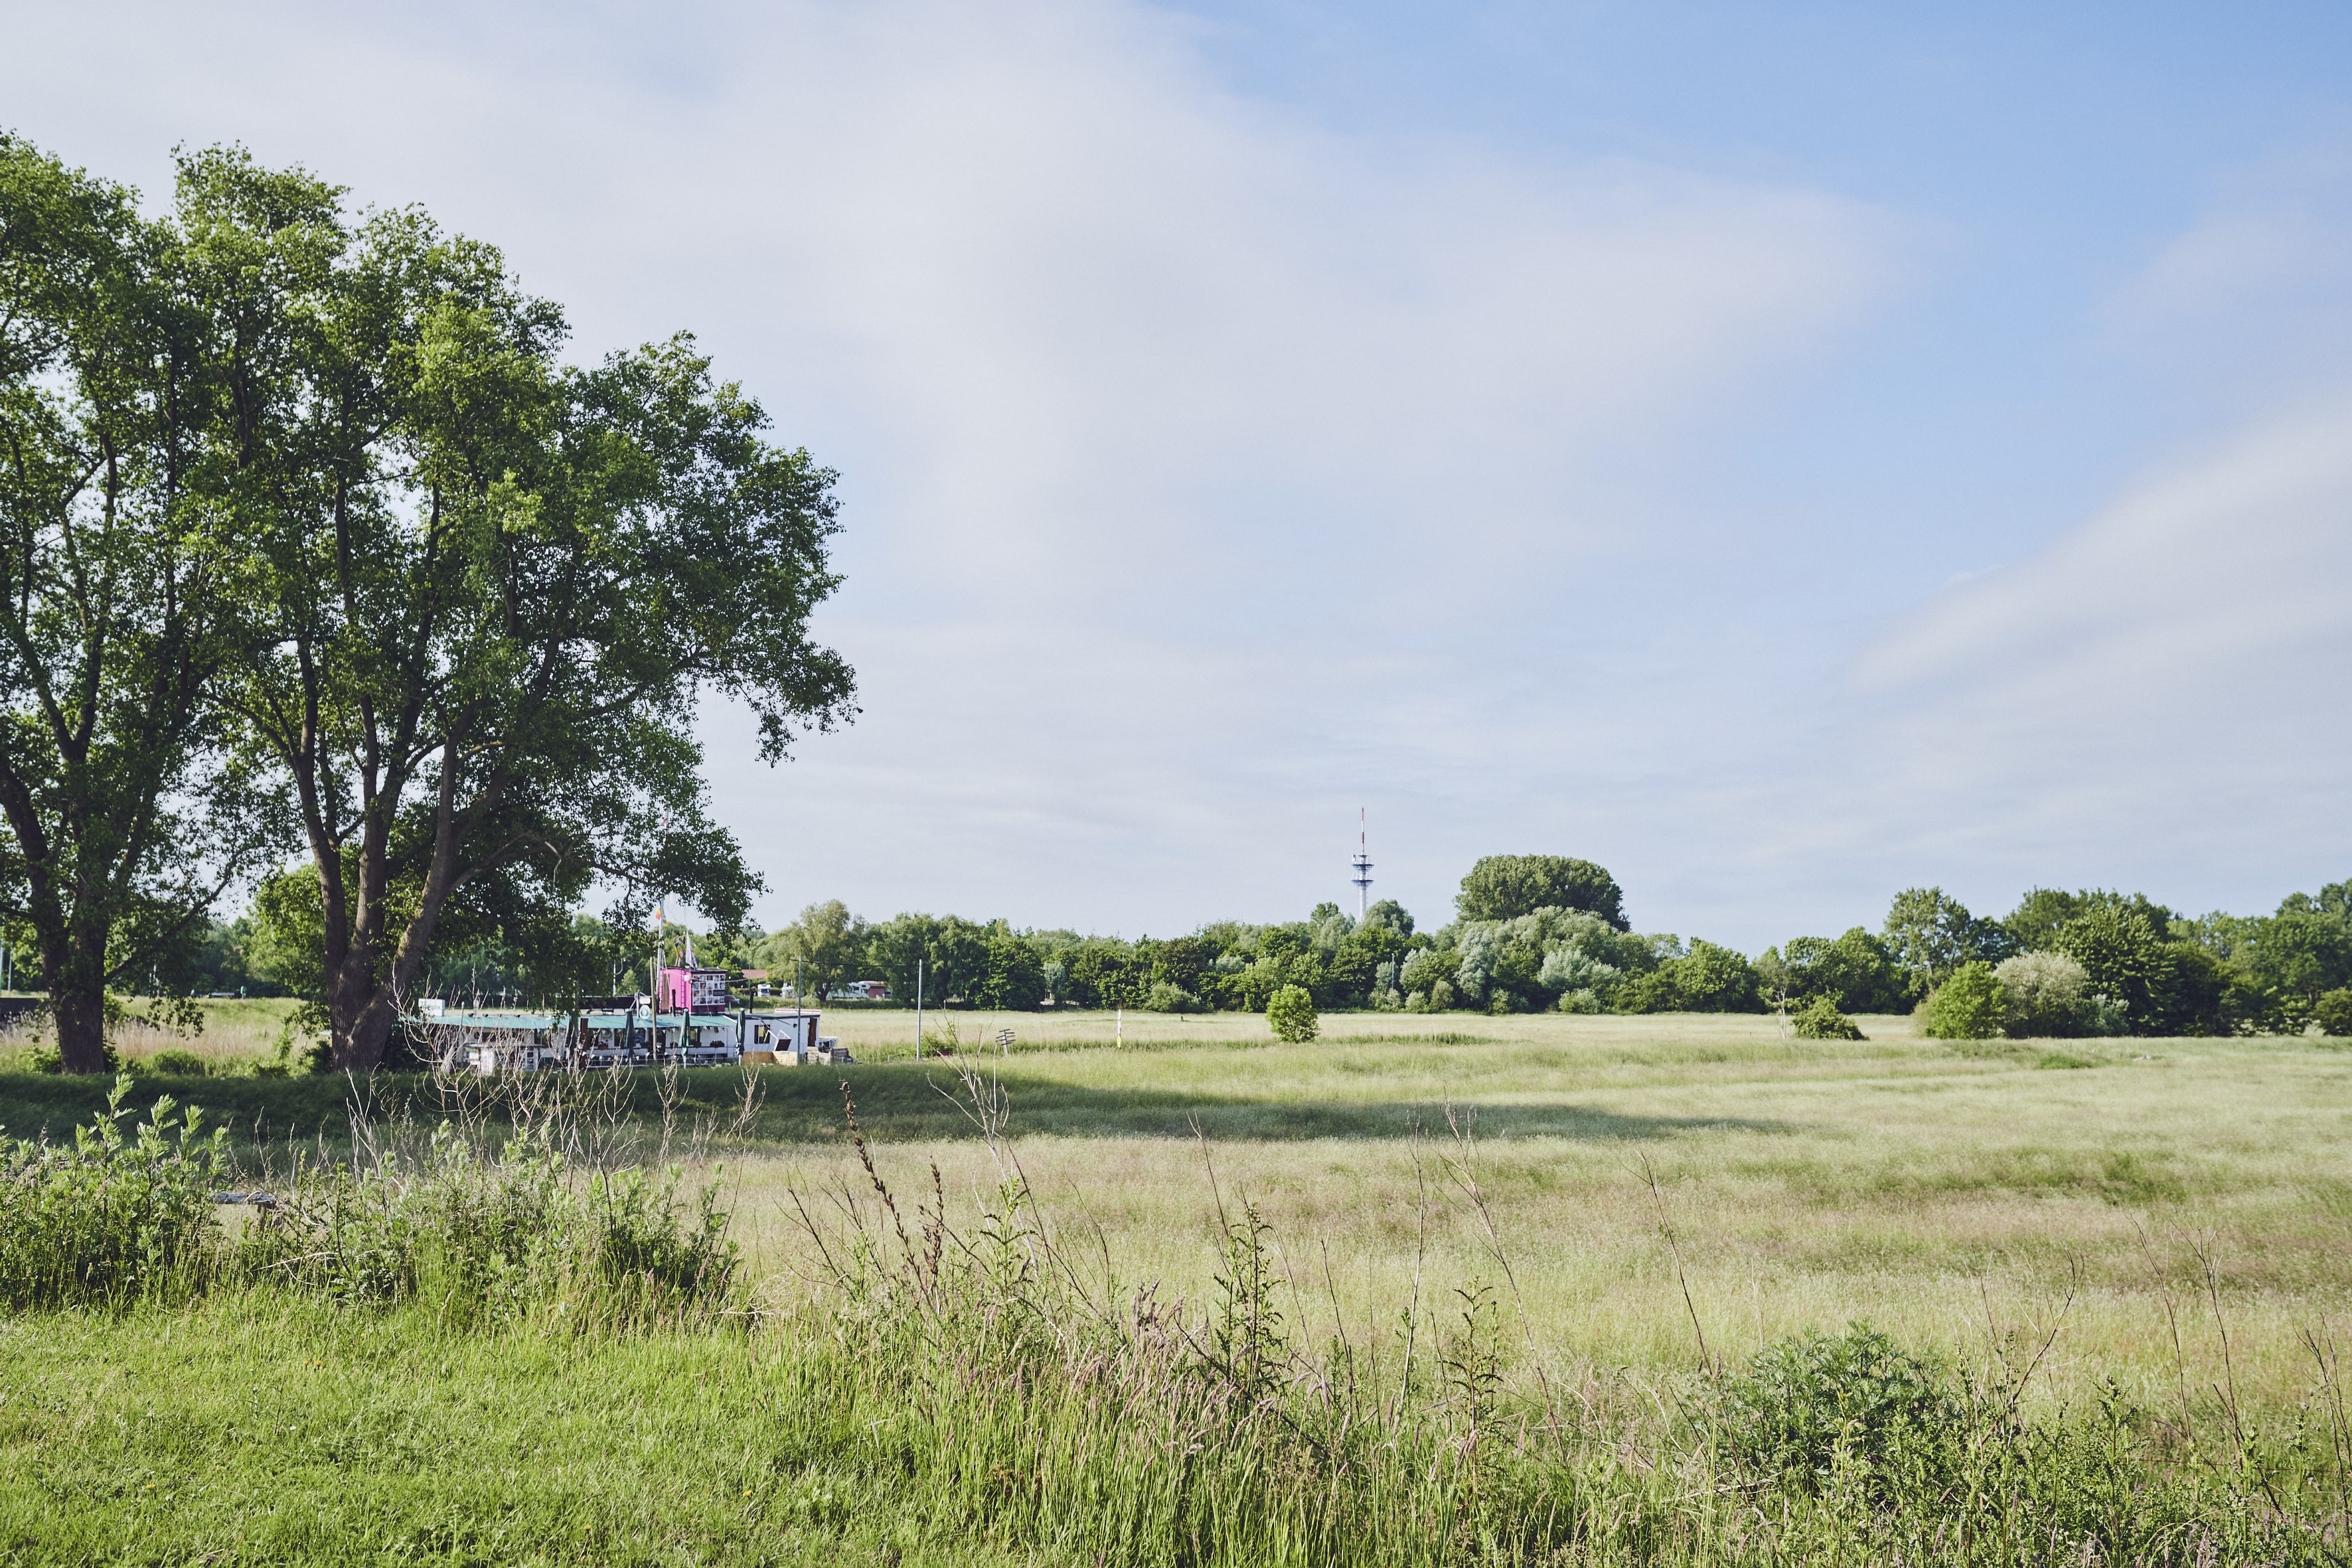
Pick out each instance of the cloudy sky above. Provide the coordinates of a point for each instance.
(1784, 453)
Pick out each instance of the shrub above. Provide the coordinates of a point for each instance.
(2105, 1018)
(1290, 1012)
(1167, 996)
(2333, 1012)
(1804, 1399)
(115, 1217)
(2043, 995)
(177, 1063)
(1582, 1000)
(1820, 1020)
(1968, 1006)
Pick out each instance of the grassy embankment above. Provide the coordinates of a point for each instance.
(2129, 1213)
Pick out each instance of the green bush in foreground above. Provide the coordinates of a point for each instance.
(114, 1217)
(1970, 1006)
(1290, 1013)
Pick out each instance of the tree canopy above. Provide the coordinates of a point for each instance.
(121, 530)
(1504, 887)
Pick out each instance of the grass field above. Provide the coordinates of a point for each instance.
(2171, 1219)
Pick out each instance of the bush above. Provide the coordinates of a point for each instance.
(1801, 1400)
(2333, 1012)
(1968, 1006)
(2043, 995)
(2105, 1018)
(1166, 997)
(1291, 1013)
(116, 1217)
(177, 1063)
(1820, 1020)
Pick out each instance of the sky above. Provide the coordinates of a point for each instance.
(1784, 454)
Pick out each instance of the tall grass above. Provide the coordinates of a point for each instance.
(973, 1380)
(122, 1212)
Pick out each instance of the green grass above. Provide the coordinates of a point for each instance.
(2166, 1219)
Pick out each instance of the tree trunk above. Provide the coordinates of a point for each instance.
(360, 1041)
(81, 1030)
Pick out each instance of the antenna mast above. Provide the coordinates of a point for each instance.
(1363, 877)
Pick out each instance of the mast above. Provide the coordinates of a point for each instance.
(1363, 877)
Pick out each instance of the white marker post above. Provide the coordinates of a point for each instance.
(918, 1009)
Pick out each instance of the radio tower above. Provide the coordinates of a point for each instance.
(1363, 877)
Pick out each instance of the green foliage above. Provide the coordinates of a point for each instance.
(1854, 971)
(2035, 924)
(822, 948)
(477, 558)
(1166, 997)
(176, 1063)
(2333, 1012)
(1929, 935)
(117, 1217)
(1504, 887)
(1016, 978)
(477, 1228)
(2045, 996)
(1970, 1005)
(1706, 979)
(1806, 1406)
(1820, 1020)
(121, 529)
(1290, 1013)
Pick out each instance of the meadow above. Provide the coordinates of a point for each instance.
(2151, 1233)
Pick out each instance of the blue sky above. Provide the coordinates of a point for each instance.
(1785, 454)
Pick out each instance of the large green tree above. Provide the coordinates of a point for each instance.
(824, 949)
(118, 539)
(493, 589)
(1504, 887)
(1929, 934)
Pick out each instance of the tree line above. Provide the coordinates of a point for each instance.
(313, 548)
(1538, 932)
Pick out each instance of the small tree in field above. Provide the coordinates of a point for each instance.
(1291, 1013)
(1968, 1006)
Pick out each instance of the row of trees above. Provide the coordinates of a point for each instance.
(1536, 932)
(312, 545)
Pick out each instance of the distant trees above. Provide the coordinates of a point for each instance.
(1504, 887)
(1706, 979)
(823, 948)
(1855, 972)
